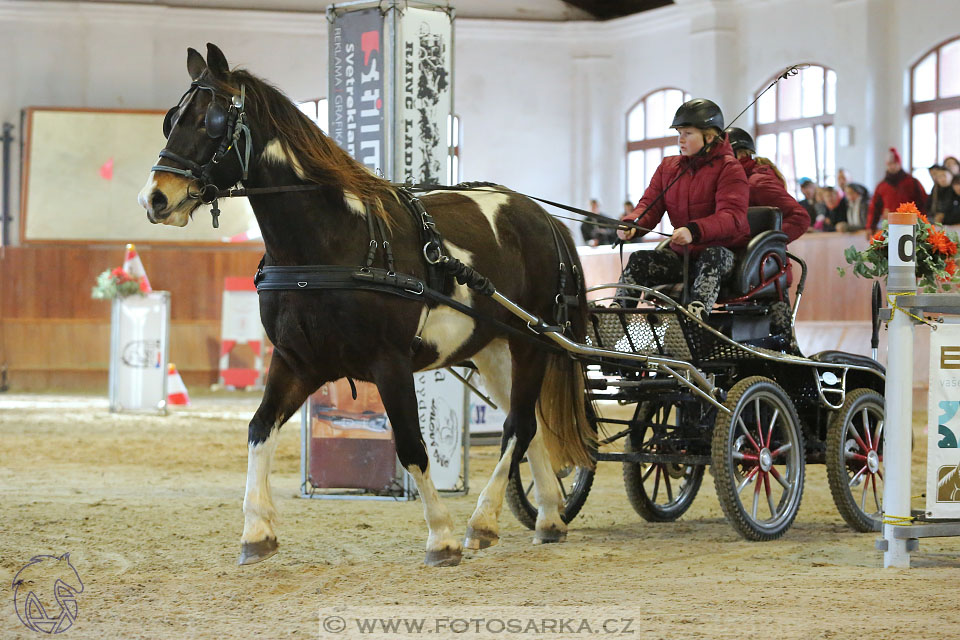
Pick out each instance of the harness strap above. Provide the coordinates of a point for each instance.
(323, 277)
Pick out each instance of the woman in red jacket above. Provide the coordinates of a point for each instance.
(769, 189)
(767, 186)
(704, 191)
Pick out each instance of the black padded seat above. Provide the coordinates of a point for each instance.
(760, 260)
(766, 239)
(841, 357)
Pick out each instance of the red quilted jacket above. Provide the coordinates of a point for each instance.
(710, 199)
(766, 190)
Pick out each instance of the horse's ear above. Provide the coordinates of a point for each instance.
(217, 62)
(196, 65)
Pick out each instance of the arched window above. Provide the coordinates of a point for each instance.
(649, 139)
(795, 126)
(934, 109)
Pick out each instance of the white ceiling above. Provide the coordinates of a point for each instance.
(546, 10)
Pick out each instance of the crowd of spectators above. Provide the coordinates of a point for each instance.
(851, 207)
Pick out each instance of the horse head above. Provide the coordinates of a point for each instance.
(208, 143)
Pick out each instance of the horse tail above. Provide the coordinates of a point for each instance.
(561, 407)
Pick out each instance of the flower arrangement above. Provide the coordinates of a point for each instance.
(936, 254)
(117, 283)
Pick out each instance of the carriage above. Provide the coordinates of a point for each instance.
(481, 273)
(682, 394)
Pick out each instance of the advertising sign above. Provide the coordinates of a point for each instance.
(943, 422)
(139, 345)
(356, 86)
(423, 100)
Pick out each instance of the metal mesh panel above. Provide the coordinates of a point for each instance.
(653, 333)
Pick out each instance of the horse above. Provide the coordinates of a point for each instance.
(232, 127)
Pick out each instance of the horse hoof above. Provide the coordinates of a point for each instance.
(480, 539)
(443, 558)
(254, 552)
(549, 536)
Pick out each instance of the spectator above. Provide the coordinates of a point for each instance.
(595, 235)
(941, 196)
(896, 188)
(953, 215)
(952, 165)
(857, 203)
(768, 188)
(809, 190)
(835, 209)
(842, 181)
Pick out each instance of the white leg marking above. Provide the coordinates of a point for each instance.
(440, 537)
(483, 529)
(447, 330)
(259, 513)
(550, 526)
(489, 204)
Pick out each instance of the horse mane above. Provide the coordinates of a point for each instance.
(318, 158)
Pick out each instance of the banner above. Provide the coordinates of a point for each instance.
(356, 86)
(943, 422)
(139, 332)
(423, 100)
(441, 399)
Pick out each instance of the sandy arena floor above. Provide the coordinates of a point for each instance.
(149, 509)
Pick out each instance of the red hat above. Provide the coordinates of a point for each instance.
(896, 155)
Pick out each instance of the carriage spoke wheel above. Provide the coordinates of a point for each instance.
(855, 459)
(758, 459)
(575, 483)
(659, 492)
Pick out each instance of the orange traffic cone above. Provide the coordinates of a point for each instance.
(176, 390)
(134, 266)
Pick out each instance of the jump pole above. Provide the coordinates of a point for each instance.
(898, 404)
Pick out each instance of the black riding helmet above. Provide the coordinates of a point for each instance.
(699, 113)
(740, 139)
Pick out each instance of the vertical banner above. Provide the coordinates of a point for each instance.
(943, 422)
(423, 96)
(440, 400)
(139, 332)
(356, 86)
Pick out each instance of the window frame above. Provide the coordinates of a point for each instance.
(648, 143)
(779, 126)
(935, 106)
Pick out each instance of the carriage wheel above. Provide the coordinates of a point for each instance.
(855, 459)
(575, 483)
(659, 492)
(758, 459)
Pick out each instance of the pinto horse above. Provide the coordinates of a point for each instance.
(231, 127)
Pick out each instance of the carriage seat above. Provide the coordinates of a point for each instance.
(754, 264)
(755, 271)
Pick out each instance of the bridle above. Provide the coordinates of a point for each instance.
(226, 123)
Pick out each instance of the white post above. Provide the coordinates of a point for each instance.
(898, 421)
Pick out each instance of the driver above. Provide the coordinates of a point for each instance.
(705, 192)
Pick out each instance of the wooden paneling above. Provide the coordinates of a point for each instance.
(52, 332)
(826, 297)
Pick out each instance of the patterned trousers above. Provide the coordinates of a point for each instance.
(653, 268)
